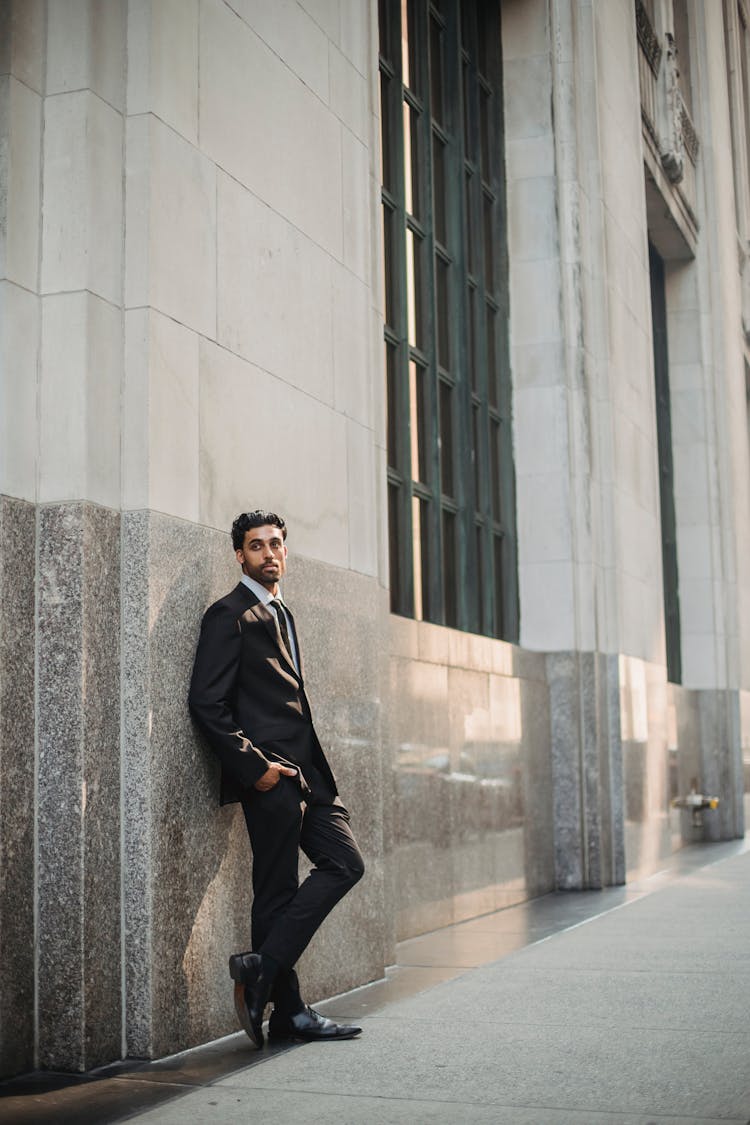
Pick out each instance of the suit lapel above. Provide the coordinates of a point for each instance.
(268, 618)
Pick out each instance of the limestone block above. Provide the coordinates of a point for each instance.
(352, 354)
(82, 214)
(171, 226)
(527, 98)
(17, 546)
(360, 202)
(293, 35)
(530, 157)
(274, 293)
(357, 42)
(81, 371)
(264, 443)
(532, 219)
(688, 415)
(326, 14)
(697, 553)
(700, 602)
(544, 517)
(537, 365)
(163, 63)
(86, 48)
(525, 30)
(694, 485)
(547, 608)
(541, 430)
(78, 789)
(160, 411)
(22, 41)
(535, 302)
(20, 133)
(19, 342)
(349, 94)
(262, 125)
(363, 511)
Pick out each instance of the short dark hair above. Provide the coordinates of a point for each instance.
(248, 520)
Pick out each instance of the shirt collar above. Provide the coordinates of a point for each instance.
(261, 592)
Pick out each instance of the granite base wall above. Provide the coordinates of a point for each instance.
(709, 754)
(477, 775)
(468, 747)
(586, 766)
(17, 544)
(78, 787)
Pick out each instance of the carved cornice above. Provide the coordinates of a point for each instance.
(744, 12)
(647, 37)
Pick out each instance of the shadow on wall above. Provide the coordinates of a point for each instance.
(188, 888)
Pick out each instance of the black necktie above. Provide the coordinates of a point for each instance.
(281, 618)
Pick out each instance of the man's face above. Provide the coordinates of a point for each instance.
(263, 555)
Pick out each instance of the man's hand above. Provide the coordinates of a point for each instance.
(272, 775)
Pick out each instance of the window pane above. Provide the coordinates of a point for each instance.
(418, 412)
(443, 311)
(438, 186)
(407, 44)
(499, 584)
(386, 154)
(449, 569)
(489, 250)
(476, 454)
(411, 161)
(436, 71)
(389, 267)
(484, 132)
(491, 330)
(468, 213)
(471, 334)
(414, 288)
(446, 439)
(465, 88)
(495, 469)
(420, 548)
(394, 538)
(393, 420)
(480, 578)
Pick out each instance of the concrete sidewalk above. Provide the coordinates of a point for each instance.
(630, 1005)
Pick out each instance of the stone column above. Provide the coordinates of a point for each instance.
(78, 805)
(22, 33)
(79, 1015)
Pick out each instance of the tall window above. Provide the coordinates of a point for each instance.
(666, 473)
(450, 470)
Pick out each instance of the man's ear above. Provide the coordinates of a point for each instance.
(240, 556)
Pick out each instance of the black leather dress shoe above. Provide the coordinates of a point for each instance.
(252, 988)
(309, 1024)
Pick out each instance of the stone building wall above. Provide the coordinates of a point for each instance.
(191, 325)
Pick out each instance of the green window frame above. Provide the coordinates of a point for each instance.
(451, 487)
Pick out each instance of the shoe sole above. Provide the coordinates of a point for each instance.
(243, 1015)
(282, 1037)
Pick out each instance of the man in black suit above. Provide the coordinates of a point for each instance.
(247, 694)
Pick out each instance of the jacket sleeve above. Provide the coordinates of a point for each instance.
(212, 692)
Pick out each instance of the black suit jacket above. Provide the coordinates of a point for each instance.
(248, 697)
